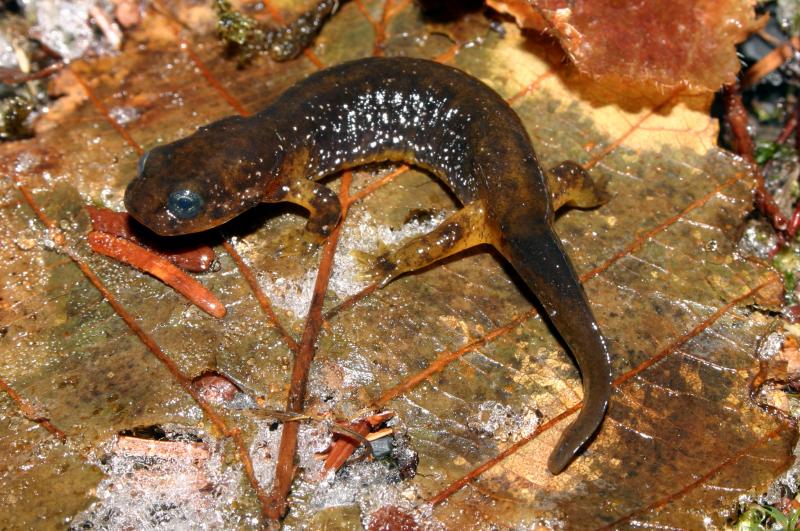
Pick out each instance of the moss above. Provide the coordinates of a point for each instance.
(241, 34)
(768, 150)
(762, 517)
(244, 37)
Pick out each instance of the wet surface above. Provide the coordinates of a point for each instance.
(455, 351)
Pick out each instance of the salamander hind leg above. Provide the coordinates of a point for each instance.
(571, 185)
(461, 230)
(321, 202)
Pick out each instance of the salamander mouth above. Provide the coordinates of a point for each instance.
(164, 223)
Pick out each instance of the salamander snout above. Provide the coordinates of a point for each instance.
(165, 199)
(180, 188)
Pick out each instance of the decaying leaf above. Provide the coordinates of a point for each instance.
(665, 43)
(458, 352)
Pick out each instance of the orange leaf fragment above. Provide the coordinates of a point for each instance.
(193, 257)
(149, 262)
(668, 43)
(344, 446)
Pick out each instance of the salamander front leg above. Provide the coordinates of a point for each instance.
(321, 202)
(570, 185)
(461, 230)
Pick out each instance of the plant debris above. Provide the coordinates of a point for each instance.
(345, 444)
(188, 254)
(245, 37)
(135, 255)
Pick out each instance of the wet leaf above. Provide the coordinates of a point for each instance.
(666, 43)
(480, 386)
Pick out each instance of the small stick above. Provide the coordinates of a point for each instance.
(737, 118)
(15, 76)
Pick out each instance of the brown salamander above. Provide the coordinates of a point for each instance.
(395, 109)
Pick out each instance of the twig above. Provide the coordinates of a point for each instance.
(737, 118)
(31, 413)
(15, 76)
(342, 450)
(794, 221)
(284, 469)
(143, 260)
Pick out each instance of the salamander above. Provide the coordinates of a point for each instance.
(408, 110)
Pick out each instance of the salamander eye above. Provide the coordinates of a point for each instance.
(184, 204)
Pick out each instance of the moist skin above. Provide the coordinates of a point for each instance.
(405, 110)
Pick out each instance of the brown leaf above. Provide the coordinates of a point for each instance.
(392, 519)
(69, 93)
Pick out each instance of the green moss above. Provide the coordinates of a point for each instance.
(789, 281)
(787, 262)
(245, 37)
(768, 150)
(762, 517)
(241, 34)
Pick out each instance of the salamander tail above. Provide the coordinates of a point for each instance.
(542, 263)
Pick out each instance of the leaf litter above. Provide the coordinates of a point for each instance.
(441, 348)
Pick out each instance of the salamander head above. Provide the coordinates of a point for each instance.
(201, 181)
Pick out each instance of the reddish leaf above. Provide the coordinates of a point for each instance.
(667, 43)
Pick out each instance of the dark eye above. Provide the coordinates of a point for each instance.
(185, 204)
